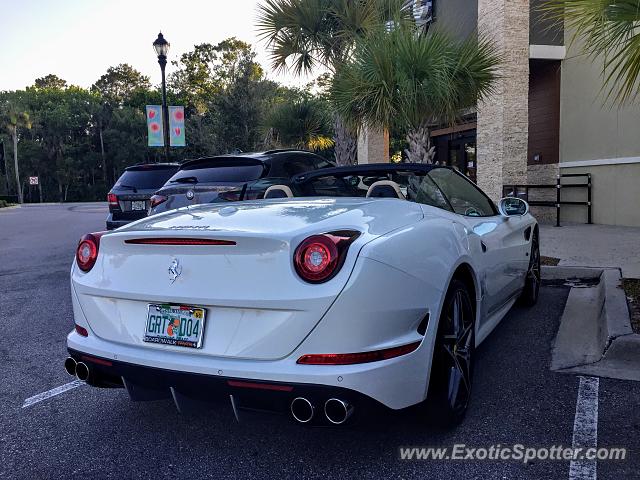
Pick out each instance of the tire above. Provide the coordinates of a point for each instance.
(531, 291)
(452, 365)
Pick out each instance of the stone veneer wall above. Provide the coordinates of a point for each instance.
(373, 145)
(503, 117)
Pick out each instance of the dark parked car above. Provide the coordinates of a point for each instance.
(242, 176)
(129, 199)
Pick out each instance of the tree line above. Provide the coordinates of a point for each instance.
(78, 140)
(386, 67)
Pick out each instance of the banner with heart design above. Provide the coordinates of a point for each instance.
(176, 127)
(154, 126)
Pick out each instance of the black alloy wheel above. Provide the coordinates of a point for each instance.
(452, 366)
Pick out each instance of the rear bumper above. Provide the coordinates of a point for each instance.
(361, 319)
(396, 383)
(188, 389)
(112, 223)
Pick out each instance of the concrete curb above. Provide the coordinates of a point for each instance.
(595, 335)
(582, 335)
(63, 204)
(12, 207)
(621, 360)
(618, 319)
(562, 272)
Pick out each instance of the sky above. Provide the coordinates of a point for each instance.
(79, 39)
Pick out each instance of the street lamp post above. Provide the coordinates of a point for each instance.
(161, 46)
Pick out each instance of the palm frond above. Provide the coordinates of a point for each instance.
(608, 30)
(303, 34)
(402, 79)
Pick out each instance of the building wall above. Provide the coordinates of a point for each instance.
(456, 17)
(615, 195)
(508, 134)
(544, 112)
(373, 145)
(503, 117)
(460, 18)
(543, 31)
(593, 130)
(589, 128)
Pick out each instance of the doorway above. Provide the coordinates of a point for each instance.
(458, 150)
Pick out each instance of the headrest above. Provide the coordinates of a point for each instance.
(385, 189)
(278, 191)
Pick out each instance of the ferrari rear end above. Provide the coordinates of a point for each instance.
(269, 304)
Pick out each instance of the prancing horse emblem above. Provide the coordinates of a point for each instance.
(175, 270)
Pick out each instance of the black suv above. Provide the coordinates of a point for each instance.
(243, 176)
(129, 199)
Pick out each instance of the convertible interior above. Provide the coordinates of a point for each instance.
(437, 186)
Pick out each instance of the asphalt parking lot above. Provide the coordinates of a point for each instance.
(91, 433)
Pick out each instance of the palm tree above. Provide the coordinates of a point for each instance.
(12, 118)
(306, 34)
(411, 81)
(610, 30)
(300, 124)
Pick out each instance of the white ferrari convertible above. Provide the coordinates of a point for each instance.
(354, 286)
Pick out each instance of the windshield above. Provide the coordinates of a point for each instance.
(219, 170)
(148, 179)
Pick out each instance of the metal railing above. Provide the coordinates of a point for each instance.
(522, 191)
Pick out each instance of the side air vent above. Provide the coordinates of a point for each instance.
(422, 328)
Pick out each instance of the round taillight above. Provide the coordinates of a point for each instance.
(87, 251)
(316, 258)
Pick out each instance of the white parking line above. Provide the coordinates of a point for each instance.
(52, 393)
(585, 428)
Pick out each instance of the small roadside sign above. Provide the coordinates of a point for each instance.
(33, 180)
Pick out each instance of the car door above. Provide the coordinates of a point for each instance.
(501, 238)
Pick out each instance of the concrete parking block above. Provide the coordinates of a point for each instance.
(570, 273)
(581, 337)
(621, 360)
(595, 335)
(618, 320)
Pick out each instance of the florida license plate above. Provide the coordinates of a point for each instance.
(180, 325)
(138, 205)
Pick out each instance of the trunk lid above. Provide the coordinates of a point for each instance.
(257, 306)
(188, 194)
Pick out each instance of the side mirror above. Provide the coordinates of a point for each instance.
(513, 206)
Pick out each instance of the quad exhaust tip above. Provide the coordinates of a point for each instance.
(337, 411)
(302, 410)
(70, 366)
(82, 371)
(76, 369)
